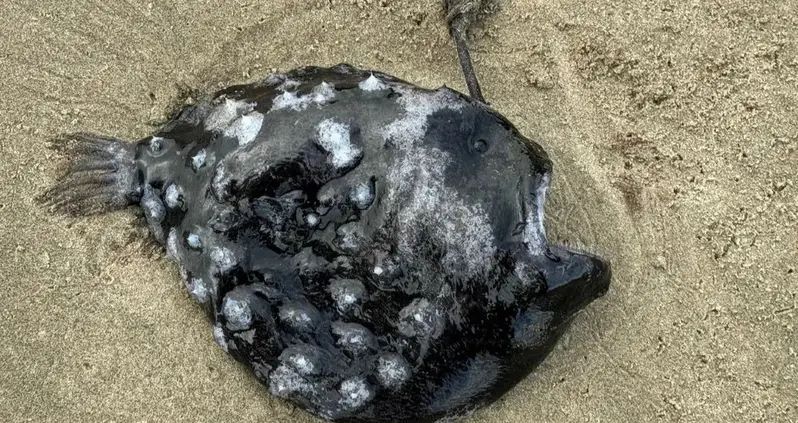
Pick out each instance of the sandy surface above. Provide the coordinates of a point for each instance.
(673, 128)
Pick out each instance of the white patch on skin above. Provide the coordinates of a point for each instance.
(351, 234)
(218, 336)
(171, 245)
(247, 336)
(392, 370)
(353, 337)
(152, 205)
(524, 274)
(302, 364)
(362, 196)
(411, 128)
(355, 393)
(422, 199)
(347, 293)
(198, 160)
(372, 83)
(284, 381)
(321, 94)
(295, 317)
(222, 115)
(245, 128)
(223, 259)
(288, 84)
(274, 79)
(219, 182)
(421, 319)
(535, 231)
(172, 196)
(196, 287)
(194, 241)
(334, 137)
(237, 313)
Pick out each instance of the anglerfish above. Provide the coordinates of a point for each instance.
(372, 250)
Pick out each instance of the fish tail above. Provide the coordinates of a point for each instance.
(99, 176)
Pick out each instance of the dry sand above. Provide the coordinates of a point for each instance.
(672, 125)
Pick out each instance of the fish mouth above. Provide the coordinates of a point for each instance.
(575, 276)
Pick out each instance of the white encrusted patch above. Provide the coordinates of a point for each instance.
(353, 337)
(220, 181)
(171, 245)
(237, 313)
(218, 336)
(223, 259)
(419, 105)
(335, 138)
(350, 236)
(355, 393)
(312, 219)
(172, 196)
(198, 160)
(535, 231)
(273, 79)
(296, 317)
(301, 359)
(245, 128)
(153, 207)
(194, 241)
(198, 290)
(284, 381)
(362, 195)
(372, 83)
(222, 115)
(419, 194)
(247, 336)
(392, 370)
(321, 94)
(288, 84)
(347, 293)
(421, 319)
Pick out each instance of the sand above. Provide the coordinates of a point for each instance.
(672, 126)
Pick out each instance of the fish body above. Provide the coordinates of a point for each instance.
(373, 251)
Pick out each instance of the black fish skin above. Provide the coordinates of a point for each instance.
(375, 255)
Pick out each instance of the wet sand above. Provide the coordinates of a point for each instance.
(672, 126)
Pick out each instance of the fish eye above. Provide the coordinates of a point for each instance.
(156, 145)
(481, 146)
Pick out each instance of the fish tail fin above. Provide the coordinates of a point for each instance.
(460, 15)
(99, 176)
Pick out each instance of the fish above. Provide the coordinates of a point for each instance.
(373, 251)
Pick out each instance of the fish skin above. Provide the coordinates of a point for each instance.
(424, 287)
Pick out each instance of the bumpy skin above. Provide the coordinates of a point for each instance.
(372, 250)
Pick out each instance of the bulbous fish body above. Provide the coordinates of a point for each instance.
(372, 250)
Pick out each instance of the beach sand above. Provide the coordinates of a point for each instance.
(672, 126)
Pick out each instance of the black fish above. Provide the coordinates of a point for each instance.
(372, 250)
